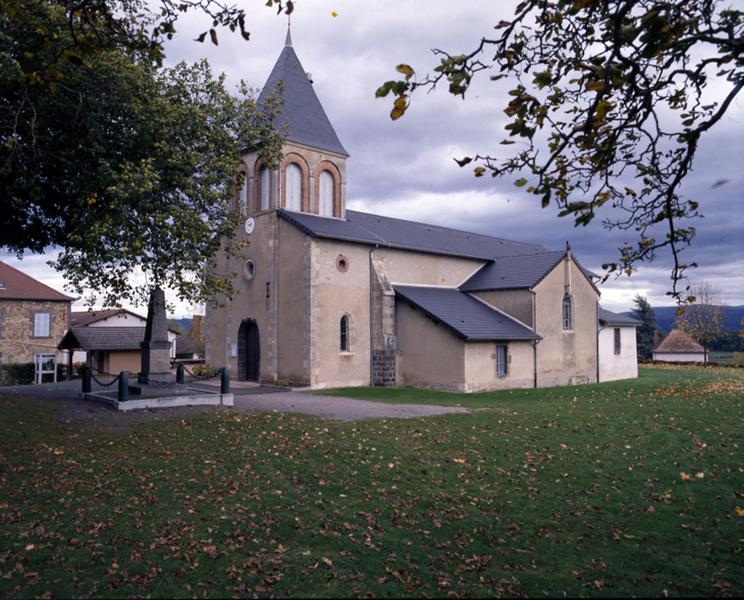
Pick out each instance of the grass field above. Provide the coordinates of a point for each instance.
(631, 488)
(721, 357)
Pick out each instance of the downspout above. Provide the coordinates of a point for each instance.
(596, 317)
(534, 342)
(371, 329)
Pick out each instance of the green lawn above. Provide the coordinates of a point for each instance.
(631, 488)
(721, 357)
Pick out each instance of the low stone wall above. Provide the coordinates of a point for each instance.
(200, 399)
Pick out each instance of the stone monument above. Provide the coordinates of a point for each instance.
(156, 347)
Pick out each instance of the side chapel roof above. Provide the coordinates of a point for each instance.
(467, 317)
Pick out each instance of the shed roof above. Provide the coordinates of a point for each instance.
(16, 285)
(366, 228)
(301, 111)
(679, 342)
(611, 319)
(467, 317)
(103, 338)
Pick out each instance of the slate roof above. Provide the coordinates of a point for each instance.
(513, 272)
(103, 338)
(611, 319)
(366, 228)
(679, 342)
(301, 111)
(467, 317)
(16, 285)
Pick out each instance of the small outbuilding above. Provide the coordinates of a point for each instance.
(616, 345)
(678, 346)
(107, 349)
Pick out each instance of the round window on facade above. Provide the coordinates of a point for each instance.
(249, 270)
(342, 263)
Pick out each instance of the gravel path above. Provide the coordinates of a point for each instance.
(248, 399)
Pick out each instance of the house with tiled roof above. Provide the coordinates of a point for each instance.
(326, 296)
(109, 339)
(678, 346)
(33, 317)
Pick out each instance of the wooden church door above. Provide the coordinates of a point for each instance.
(249, 351)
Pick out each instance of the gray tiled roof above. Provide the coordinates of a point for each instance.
(467, 317)
(103, 338)
(301, 110)
(614, 319)
(372, 229)
(511, 272)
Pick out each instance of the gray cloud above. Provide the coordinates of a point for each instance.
(405, 168)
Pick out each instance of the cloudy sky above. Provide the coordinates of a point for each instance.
(405, 168)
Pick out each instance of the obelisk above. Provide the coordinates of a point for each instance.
(156, 347)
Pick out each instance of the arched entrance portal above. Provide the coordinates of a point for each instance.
(249, 351)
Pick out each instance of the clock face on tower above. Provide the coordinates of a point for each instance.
(250, 225)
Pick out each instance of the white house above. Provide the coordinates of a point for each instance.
(616, 346)
(678, 346)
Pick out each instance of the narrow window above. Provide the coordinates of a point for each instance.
(344, 334)
(617, 340)
(326, 194)
(265, 188)
(567, 320)
(293, 200)
(501, 361)
(2, 323)
(41, 324)
(243, 197)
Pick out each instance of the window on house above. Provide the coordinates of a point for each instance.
(293, 200)
(243, 197)
(325, 202)
(265, 183)
(617, 340)
(344, 345)
(501, 361)
(41, 324)
(567, 319)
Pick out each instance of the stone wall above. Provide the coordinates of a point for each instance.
(17, 341)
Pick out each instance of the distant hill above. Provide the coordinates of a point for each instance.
(665, 317)
(184, 324)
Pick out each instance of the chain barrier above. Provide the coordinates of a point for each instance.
(101, 383)
(204, 377)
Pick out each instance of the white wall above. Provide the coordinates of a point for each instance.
(617, 366)
(680, 356)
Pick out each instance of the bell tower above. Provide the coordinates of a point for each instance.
(312, 174)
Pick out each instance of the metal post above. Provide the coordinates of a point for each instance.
(225, 382)
(180, 373)
(123, 386)
(86, 380)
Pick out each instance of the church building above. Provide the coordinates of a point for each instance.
(329, 297)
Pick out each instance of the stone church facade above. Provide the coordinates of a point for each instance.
(327, 297)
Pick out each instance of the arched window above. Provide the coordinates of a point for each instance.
(567, 318)
(265, 179)
(325, 201)
(293, 175)
(344, 337)
(243, 196)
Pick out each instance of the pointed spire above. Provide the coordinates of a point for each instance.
(288, 41)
